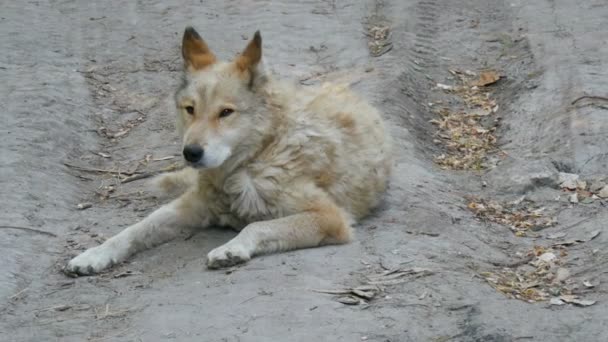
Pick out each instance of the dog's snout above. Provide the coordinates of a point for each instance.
(193, 153)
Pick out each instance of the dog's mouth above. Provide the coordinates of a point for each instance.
(196, 165)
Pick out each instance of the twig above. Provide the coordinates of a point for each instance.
(87, 169)
(163, 158)
(512, 264)
(138, 176)
(592, 97)
(338, 291)
(18, 293)
(422, 233)
(577, 223)
(30, 230)
(249, 299)
(142, 175)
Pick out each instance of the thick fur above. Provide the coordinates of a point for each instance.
(288, 167)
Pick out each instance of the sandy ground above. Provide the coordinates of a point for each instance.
(90, 84)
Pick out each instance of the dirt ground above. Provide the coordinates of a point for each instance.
(88, 85)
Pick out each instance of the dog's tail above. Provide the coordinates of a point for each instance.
(177, 182)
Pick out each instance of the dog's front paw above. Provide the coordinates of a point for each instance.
(228, 255)
(92, 261)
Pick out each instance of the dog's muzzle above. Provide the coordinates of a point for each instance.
(193, 153)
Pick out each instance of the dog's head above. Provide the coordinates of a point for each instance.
(218, 105)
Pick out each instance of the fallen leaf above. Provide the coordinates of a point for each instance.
(556, 301)
(591, 236)
(336, 291)
(125, 274)
(594, 234)
(350, 300)
(486, 78)
(584, 302)
(572, 299)
(588, 284)
(398, 276)
(445, 86)
(556, 235)
(480, 112)
(364, 294)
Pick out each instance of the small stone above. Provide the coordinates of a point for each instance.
(547, 257)
(580, 184)
(573, 198)
(604, 192)
(596, 186)
(568, 180)
(562, 274)
(83, 206)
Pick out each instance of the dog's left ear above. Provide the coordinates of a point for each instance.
(248, 61)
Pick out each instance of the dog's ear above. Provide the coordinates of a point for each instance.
(248, 61)
(195, 51)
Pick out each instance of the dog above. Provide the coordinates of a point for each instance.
(287, 166)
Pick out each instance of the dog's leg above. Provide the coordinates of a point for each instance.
(324, 224)
(164, 224)
(176, 182)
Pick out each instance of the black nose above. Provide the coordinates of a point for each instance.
(193, 153)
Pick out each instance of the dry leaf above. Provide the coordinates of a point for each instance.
(486, 78)
(588, 284)
(350, 300)
(594, 234)
(364, 294)
(444, 86)
(556, 236)
(572, 299)
(337, 291)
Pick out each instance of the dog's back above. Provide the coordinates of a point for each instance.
(357, 150)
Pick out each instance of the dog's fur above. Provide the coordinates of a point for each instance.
(289, 167)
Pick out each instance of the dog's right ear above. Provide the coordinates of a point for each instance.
(195, 51)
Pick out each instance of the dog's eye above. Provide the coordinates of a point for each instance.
(190, 110)
(225, 112)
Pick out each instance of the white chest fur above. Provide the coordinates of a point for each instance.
(246, 194)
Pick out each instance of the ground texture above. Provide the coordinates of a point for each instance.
(455, 253)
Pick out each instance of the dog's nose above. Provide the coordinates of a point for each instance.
(193, 153)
